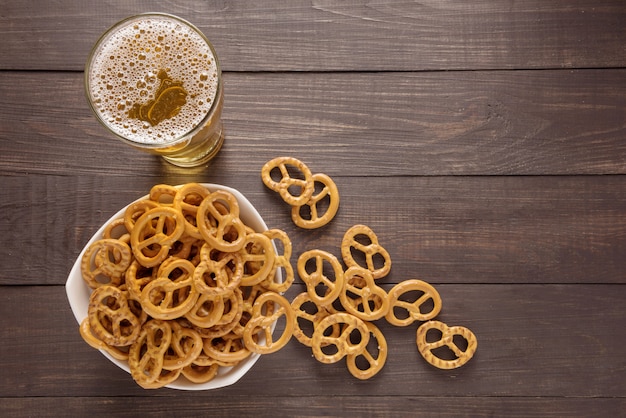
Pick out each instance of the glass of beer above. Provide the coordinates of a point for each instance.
(154, 81)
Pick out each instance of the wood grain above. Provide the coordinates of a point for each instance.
(491, 229)
(533, 341)
(326, 35)
(387, 124)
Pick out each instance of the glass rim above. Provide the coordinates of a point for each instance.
(184, 136)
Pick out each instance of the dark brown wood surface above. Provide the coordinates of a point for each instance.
(484, 142)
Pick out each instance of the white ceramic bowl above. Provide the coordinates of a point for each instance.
(78, 295)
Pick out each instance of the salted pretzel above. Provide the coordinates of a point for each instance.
(135, 210)
(111, 318)
(119, 353)
(196, 373)
(104, 262)
(156, 230)
(281, 261)
(188, 199)
(343, 343)
(227, 349)
(288, 186)
(371, 250)
(206, 311)
(169, 296)
(307, 316)
(233, 312)
(315, 218)
(446, 338)
(316, 277)
(257, 255)
(411, 309)
(218, 275)
(375, 361)
(146, 354)
(268, 308)
(361, 296)
(222, 229)
(116, 229)
(185, 346)
(163, 194)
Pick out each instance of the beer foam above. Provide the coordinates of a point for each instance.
(124, 72)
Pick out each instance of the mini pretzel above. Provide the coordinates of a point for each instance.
(370, 250)
(163, 194)
(170, 297)
(286, 185)
(116, 229)
(145, 357)
(187, 200)
(111, 318)
(137, 277)
(223, 230)
(227, 349)
(301, 305)
(105, 262)
(219, 277)
(185, 347)
(412, 308)
(426, 348)
(343, 343)
(316, 219)
(207, 311)
(268, 309)
(317, 276)
(361, 297)
(281, 261)
(196, 373)
(375, 361)
(117, 352)
(258, 257)
(169, 226)
(135, 210)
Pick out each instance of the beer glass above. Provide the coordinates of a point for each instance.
(154, 81)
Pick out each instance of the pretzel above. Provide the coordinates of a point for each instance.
(281, 261)
(375, 361)
(427, 348)
(287, 185)
(206, 311)
(219, 276)
(170, 297)
(185, 346)
(317, 277)
(226, 349)
(223, 230)
(361, 297)
(169, 227)
(163, 194)
(105, 262)
(145, 356)
(264, 314)
(187, 200)
(412, 308)
(117, 230)
(314, 218)
(343, 343)
(196, 373)
(370, 250)
(120, 353)
(111, 318)
(302, 306)
(135, 210)
(258, 257)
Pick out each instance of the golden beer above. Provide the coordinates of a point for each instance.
(155, 82)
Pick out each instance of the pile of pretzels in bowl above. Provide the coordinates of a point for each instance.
(184, 288)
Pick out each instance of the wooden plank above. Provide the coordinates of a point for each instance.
(313, 406)
(534, 341)
(458, 123)
(327, 35)
(489, 229)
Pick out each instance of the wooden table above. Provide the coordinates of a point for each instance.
(484, 142)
